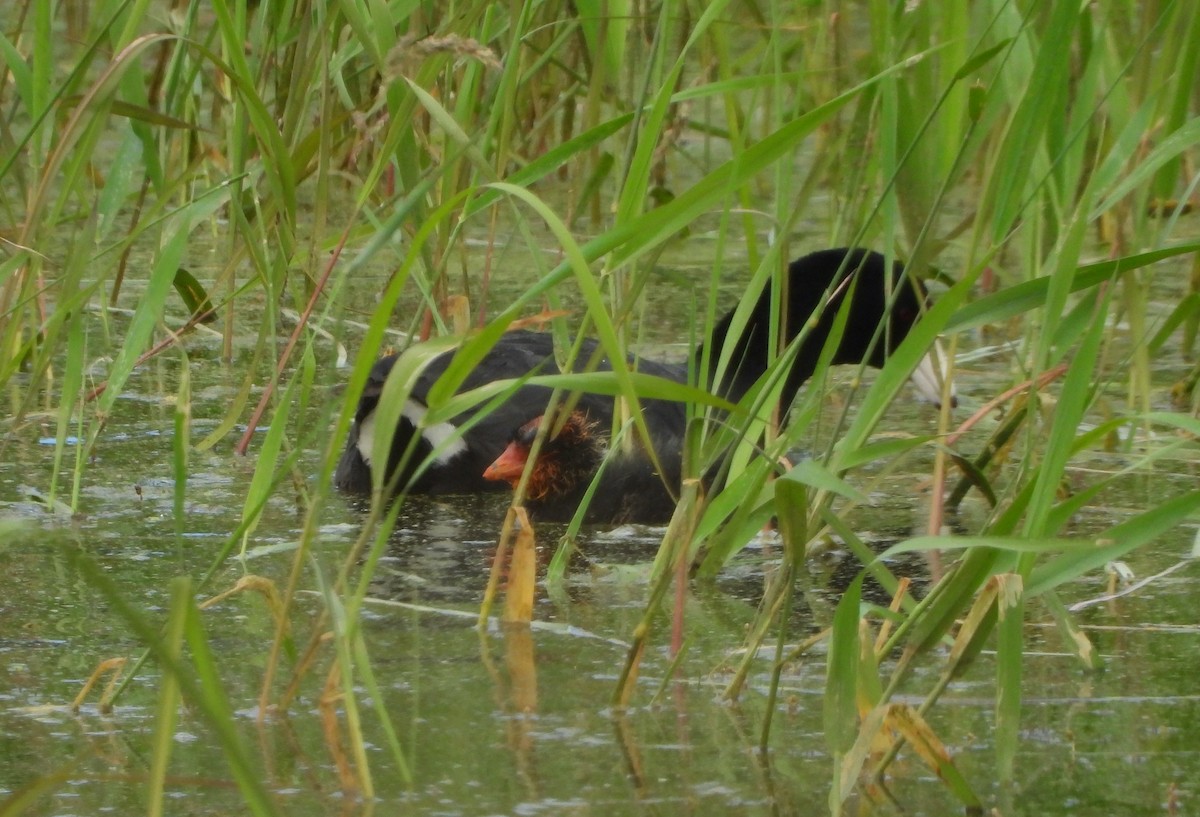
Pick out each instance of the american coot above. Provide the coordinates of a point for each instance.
(632, 489)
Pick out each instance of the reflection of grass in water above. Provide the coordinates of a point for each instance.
(319, 151)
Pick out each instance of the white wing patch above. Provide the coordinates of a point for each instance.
(366, 437)
(444, 438)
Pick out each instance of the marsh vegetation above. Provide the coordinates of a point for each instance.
(218, 215)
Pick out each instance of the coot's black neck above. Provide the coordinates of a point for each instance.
(836, 274)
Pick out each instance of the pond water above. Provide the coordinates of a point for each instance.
(519, 721)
